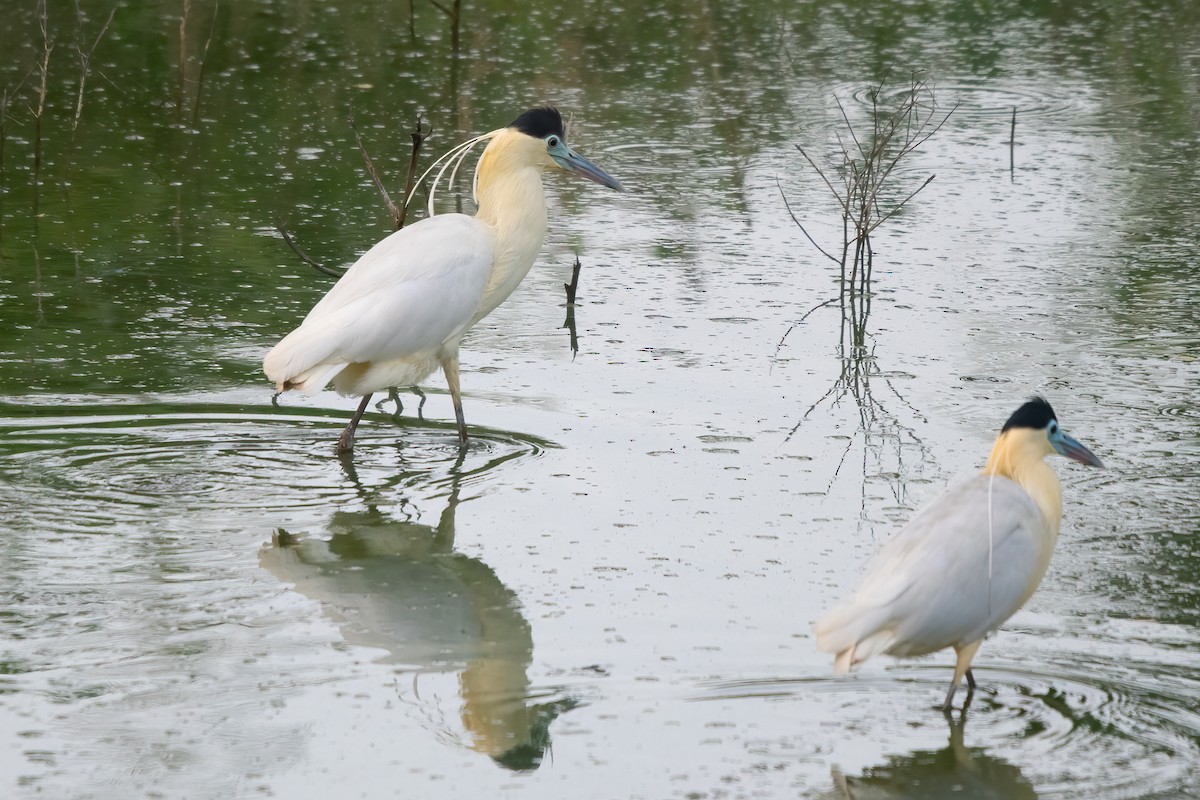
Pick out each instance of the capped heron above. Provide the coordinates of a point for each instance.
(401, 310)
(967, 561)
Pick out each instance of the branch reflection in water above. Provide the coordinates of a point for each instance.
(888, 443)
(398, 585)
(956, 771)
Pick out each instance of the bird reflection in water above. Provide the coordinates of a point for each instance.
(400, 586)
(956, 771)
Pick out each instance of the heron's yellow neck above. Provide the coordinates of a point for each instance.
(1019, 454)
(494, 709)
(509, 192)
(495, 682)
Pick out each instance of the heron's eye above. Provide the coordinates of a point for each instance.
(1053, 428)
(552, 141)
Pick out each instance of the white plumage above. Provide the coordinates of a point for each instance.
(401, 310)
(967, 561)
(925, 592)
(405, 301)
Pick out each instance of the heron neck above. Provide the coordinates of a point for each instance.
(1019, 454)
(512, 202)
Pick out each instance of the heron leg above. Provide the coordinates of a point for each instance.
(963, 667)
(450, 367)
(421, 405)
(346, 440)
(394, 396)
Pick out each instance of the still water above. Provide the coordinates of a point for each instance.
(609, 593)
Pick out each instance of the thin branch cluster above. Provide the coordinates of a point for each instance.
(865, 169)
(861, 182)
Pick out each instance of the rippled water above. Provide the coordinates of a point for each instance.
(610, 592)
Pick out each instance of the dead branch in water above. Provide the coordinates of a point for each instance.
(85, 59)
(374, 173)
(281, 226)
(419, 134)
(6, 98)
(573, 286)
(1012, 147)
(421, 131)
(800, 321)
(569, 323)
(204, 60)
(201, 61)
(454, 12)
(44, 73)
(866, 167)
(861, 182)
(183, 21)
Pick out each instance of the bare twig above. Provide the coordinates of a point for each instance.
(85, 59)
(1012, 147)
(850, 127)
(820, 172)
(203, 60)
(800, 321)
(868, 168)
(281, 226)
(183, 20)
(573, 286)
(397, 217)
(6, 98)
(455, 14)
(569, 323)
(899, 205)
(800, 225)
(455, 38)
(419, 135)
(44, 73)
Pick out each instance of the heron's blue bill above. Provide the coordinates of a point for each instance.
(571, 161)
(1073, 449)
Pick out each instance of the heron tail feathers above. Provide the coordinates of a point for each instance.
(844, 661)
(301, 361)
(855, 634)
(310, 381)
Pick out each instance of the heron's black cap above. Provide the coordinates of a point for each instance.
(522, 758)
(1036, 414)
(540, 123)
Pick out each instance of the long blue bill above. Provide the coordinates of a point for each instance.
(1073, 449)
(571, 161)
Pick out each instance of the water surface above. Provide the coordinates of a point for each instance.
(610, 592)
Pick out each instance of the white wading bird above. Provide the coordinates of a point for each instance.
(967, 561)
(400, 311)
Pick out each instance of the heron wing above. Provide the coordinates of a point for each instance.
(933, 584)
(408, 295)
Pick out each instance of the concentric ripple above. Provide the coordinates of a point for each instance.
(979, 101)
(115, 464)
(1069, 733)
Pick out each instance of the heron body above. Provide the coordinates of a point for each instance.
(402, 309)
(967, 561)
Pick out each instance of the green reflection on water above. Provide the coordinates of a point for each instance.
(956, 771)
(399, 585)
